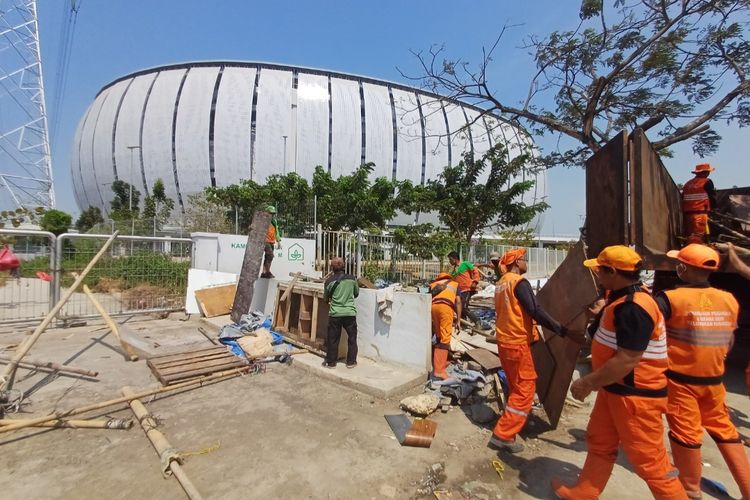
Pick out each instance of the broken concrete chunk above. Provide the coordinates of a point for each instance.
(422, 404)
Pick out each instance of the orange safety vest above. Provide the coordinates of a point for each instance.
(648, 378)
(448, 295)
(699, 332)
(694, 196)
(271, 234)
(513, 326)
(468, 280)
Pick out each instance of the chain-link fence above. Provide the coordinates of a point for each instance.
(379, 257)
(26, 292)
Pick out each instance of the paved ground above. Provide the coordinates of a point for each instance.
(285, 433)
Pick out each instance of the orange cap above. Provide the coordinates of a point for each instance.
(697, 255)
(511, 256)
(703, 167)
(443, 276)
(618, 257)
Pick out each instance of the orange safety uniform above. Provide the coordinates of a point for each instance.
(699, 332)
(515, 332)
(443, 313)
(468, 280)
(271, 235)
(695, 208)
(628, 413)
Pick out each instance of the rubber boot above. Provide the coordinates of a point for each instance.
(440, 363)
(736, 459)
(591, 481)
(688, 462)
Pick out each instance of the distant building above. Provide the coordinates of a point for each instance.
(203, 124)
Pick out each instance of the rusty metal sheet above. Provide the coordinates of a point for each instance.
(606, 195)
(655, 202)
(565, 296)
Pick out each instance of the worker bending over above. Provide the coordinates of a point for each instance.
(629, 362)
(700, 324)
(467, 277)
(698, 198)
(516, 310)
(446, 312)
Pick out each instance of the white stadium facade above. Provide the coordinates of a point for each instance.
(203, 124)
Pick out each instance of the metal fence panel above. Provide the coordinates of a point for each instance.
(25, 294)
(137, 274)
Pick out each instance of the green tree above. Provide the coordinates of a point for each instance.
(354, 201)
(55, 221)
(202, 215)
(468, 206)
(293, 198)
(424, 241)
(678, 64)
(89, 218)
(121, 202)
(240, 201)
(157, 207)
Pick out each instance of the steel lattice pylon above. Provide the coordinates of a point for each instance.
(25, 163)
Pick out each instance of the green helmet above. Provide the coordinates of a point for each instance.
(271, 209)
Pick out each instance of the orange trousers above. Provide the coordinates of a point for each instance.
(519, 369)
(747, 378)
(696, 227)
(442, 322)
(635, 423)
(692, 408)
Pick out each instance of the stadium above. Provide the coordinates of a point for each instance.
(203, 124)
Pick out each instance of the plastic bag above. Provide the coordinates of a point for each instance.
(8, 260)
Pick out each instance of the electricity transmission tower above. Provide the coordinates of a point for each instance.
(25, 162)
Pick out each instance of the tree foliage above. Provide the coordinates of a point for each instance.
(121, 202)
(680, 65)
(468, 206)
(55, 221)
(425, 241)
(89, 218)
(157, 207)
(202, 215)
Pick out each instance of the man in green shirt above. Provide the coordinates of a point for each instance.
(339, 291)
(467, 276)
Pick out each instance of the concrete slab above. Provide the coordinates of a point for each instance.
(378, 379)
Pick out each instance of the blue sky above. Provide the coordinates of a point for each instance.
(116, 37)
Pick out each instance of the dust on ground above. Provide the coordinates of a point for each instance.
(283, 433)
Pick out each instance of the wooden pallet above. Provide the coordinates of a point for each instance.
(178, 367)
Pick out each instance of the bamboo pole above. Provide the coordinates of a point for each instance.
(288, 291)
(6, 378)
(161, 445)
(110, 423)
(49, 366)
(226, 374)
(127, 348)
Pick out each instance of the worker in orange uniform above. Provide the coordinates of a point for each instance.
(698, 198)
(743, 270)
(273, 240)
(700, 324)
(516, 310)
(629, 362)
(446, 311)
(467, 276)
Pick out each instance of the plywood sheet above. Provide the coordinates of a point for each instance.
(606, 196)
(657, 215)
(201, 278)
(216, 300)
(489, 360)
(565, 296)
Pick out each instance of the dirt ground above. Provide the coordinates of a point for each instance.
(281, 434)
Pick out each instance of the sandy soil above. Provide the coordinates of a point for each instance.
(281, 434)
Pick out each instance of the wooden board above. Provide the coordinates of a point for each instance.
(489, 360)
(565, 297)
(216, 300)
(606, 196)
(178, 367)
(251, 265)
(655, 203)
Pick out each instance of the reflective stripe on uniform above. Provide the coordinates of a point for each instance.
(517, 412)
(712, 338)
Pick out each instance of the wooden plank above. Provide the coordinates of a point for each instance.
(250, 265)
(184, 354)
(314, 325)
(565, 297)
(228, 358)
(204, 371)
(656, 202)
(489, 360)
(606, 196)
(207, 357)
(216, 300)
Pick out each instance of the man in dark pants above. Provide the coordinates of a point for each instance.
(340, 290)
